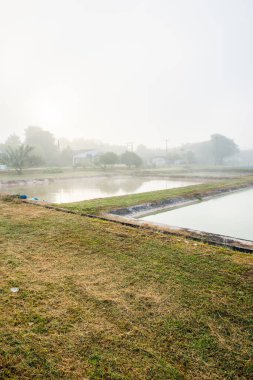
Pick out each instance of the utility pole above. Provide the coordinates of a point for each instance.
(166, 145)
(130, 146)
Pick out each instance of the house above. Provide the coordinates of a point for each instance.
(2, 166)
(159, 161)
(85, 157)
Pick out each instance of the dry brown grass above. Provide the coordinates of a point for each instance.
(99, 300)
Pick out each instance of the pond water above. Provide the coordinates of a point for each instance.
(73, 190)
(230, 215)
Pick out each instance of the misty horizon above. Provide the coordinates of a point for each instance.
(63, 142)
(140, 71)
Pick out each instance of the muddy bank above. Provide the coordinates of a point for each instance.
(37, 181)
(172, 177)
(10, 182)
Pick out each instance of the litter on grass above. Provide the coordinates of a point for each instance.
(14, 290)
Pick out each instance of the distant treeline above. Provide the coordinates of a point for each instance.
(41, 148)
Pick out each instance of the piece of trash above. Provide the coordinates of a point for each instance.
(14, 290)
(30, 323)
(34, 199)
(23, 196)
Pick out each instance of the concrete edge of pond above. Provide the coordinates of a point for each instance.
(129, 215)
(241, 245)
(148, 208)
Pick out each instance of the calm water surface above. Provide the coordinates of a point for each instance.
(230, 215)
(73, 190)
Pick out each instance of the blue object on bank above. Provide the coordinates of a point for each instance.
(23, 196)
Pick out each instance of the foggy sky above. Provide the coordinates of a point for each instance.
(128, 70)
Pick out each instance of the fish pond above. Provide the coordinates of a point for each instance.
(230, 215)
(74, 190)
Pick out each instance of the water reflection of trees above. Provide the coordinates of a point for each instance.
(107, 186)
(114, 186)
(132, 184)
(89, 187)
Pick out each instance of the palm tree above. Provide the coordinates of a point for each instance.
(17, 157)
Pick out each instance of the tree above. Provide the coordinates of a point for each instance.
(66, 156)
(131, 159)
(34, 161)
(13, 141)
(190, 157)
(173, 157)
(222, 147)
(43, 142)
(108, 158)
(17, 157)
(80, 144)
(142, 151)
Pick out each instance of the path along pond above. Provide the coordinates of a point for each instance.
(74, 190)
(230, 215)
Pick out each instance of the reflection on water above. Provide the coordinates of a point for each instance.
(72, 190)
(230, 215)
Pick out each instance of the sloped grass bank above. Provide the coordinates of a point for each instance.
(97, 206)
(99, 300)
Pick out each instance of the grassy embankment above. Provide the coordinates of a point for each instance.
(99, 300)
(97, 206)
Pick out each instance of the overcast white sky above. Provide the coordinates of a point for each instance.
(128, 70)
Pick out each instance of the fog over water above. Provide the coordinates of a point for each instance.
(129, 70)
(62, 191)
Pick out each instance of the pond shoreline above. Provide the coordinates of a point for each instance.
(130, 215)
(169, 176)
(50, 179)
(241, 245)
(127, 215)
(167, 204)
(94, 187)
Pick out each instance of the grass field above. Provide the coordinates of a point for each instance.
(98, 300)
